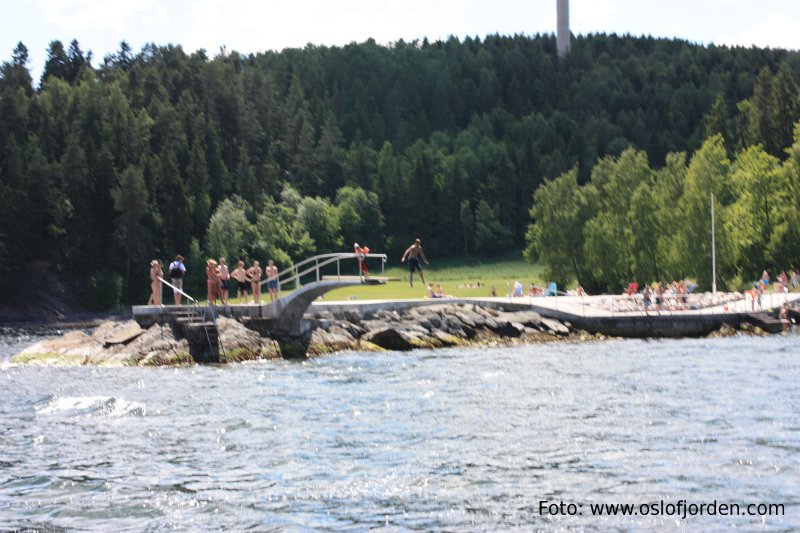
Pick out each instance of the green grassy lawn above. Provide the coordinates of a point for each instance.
(457, 276)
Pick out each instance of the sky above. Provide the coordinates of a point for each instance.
(258, 25)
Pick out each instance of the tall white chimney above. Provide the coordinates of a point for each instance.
(562, 35)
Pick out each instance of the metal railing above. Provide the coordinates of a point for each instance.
(685, 303)
(667, 304)
(176, 289)
(314, 265)
(200, 311)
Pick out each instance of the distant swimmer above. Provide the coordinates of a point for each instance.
(413, 253)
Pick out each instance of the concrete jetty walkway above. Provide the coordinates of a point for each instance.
(606, 314)
(611, 314)
(700, 315)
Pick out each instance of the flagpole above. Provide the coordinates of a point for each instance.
(713, 251)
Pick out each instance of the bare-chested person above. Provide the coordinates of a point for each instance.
(255, 273)
(272, 280)
(212, 280)
(159, 291)
(224, 281)
(155, 283)
(413, 254)
(240, 275)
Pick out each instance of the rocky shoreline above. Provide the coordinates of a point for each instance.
(125, 343)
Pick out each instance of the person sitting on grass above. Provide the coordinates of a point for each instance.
(429, 292)
(517, 291)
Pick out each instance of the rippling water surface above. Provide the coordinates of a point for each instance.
(468, 439)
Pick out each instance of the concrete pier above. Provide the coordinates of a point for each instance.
(596, 314)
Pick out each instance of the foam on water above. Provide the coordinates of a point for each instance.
(87, 406)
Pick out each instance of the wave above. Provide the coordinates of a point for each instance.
(92, 406)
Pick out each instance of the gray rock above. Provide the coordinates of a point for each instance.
(389, 338)
(504, 328)
(528, 318)
(555, 326)
(354, 317)
(335, 340)
(342, 333)
(387, 314)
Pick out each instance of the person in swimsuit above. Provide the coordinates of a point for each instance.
(430, 293)
(159, 290)
(240, 275)
(254, 274)
(361, 255)
(155, 285)
(272, 280)
(224, 280)
(212, 280)
(413, 253)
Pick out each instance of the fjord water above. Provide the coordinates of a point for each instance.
(459, 439)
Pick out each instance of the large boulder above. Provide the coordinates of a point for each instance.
(336, 339)
(110, 332)
(505, 328)
(555, 326)
(157, 345)
(389, 338)
(240, 343)
(72, 348)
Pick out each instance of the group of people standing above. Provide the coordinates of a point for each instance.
(218, 278)
(782, 283)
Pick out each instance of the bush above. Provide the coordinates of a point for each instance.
(104, 291)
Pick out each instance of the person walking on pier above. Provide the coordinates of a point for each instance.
(177, 271)
(254, 273)
(413, 254)
(272, 280)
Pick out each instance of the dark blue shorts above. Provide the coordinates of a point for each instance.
(225, 284)
(272, 284)
(414, 264)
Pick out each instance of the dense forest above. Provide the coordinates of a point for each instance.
(631, 222)
(286, 154)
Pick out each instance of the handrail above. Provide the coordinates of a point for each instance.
(200, 311)
(328, 259)
(176, 289)
(340, 255)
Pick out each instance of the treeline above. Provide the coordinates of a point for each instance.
(104, 167)
(631, 222)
